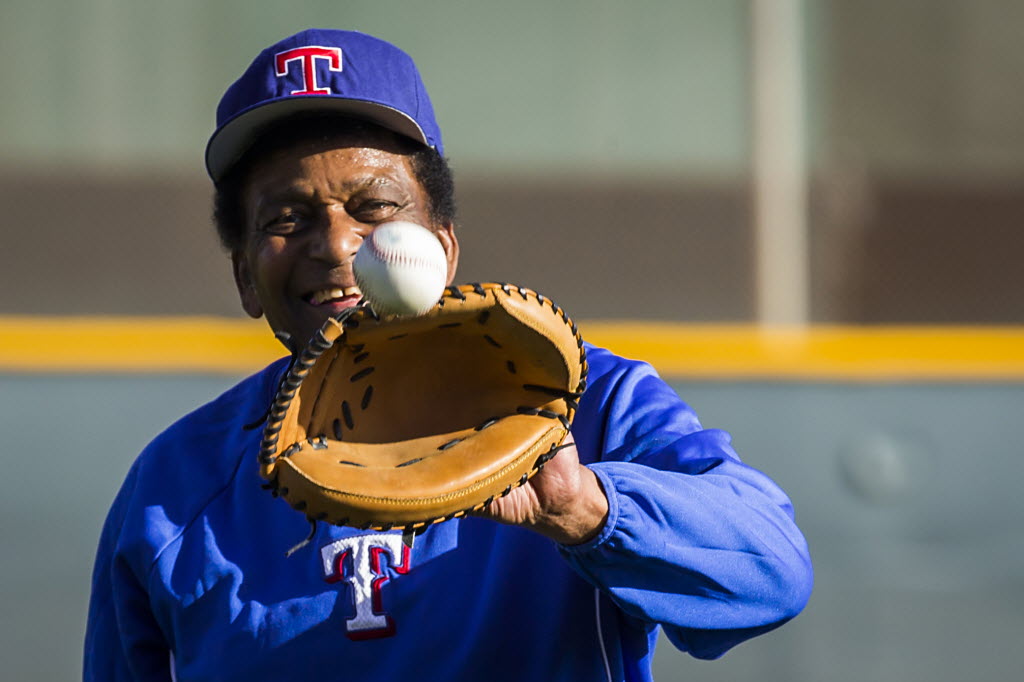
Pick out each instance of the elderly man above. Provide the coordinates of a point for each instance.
(649, 522)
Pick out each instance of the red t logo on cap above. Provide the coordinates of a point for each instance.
(305, 57)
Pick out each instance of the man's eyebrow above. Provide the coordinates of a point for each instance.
(366, 181)
(304, 190)
(285, 193)
(277, 194)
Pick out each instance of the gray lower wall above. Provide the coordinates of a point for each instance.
(907, 494)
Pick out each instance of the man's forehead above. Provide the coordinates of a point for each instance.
(371, 147)
(335, 166)
(319, 136)
(357, 157)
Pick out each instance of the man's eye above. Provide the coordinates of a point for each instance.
(284, 223)
(374, 209)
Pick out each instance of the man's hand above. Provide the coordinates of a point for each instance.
(564, 501)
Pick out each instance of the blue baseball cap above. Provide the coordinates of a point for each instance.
(322, 70)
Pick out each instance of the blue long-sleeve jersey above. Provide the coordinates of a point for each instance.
(192, 583)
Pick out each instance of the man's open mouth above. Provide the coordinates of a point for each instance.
(333, 295)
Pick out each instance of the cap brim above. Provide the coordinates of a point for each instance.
(233, 138)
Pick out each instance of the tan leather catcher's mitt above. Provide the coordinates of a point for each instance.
(400, 423)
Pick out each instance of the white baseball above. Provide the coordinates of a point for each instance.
(401, 269)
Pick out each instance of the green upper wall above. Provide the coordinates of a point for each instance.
(536, 84)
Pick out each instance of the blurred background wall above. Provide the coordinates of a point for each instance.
(623, 138)
(619, 133)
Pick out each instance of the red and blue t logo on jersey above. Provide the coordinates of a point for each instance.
(304, 59)
(360, 561)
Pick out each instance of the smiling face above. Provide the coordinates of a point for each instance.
(307, 209)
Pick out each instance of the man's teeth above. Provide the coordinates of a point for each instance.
(325, 295)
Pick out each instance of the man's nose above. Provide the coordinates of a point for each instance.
(339, 237)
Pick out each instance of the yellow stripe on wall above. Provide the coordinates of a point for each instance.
(712, 352)
(843, 353)
(135, 344)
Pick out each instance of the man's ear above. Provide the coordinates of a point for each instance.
(446, 235)
(246, 289)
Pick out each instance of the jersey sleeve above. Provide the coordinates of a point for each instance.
(695, 540)
(123, 640)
